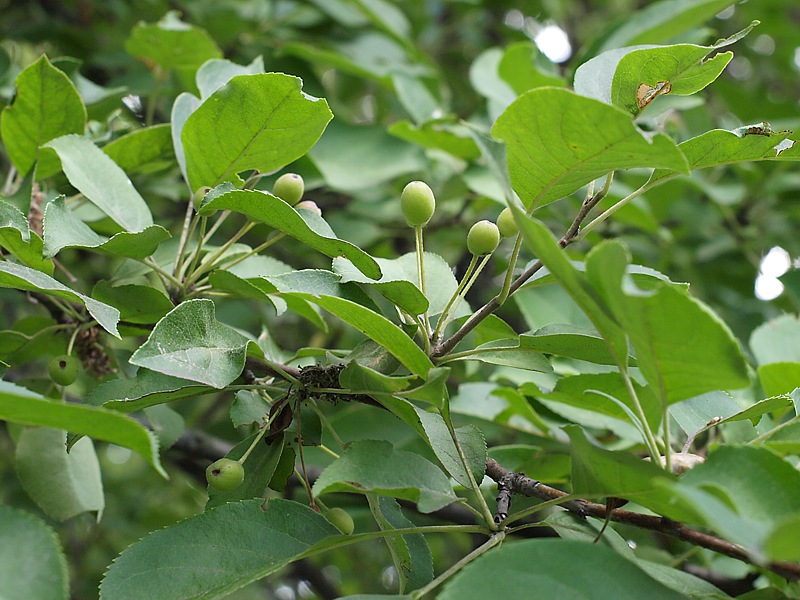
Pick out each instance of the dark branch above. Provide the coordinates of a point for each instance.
(526, 486)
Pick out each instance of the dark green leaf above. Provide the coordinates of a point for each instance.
(32, 562)
(554, 569)
(213, 554)
(136, 303)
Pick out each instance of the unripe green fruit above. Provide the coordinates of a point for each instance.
(483, 238)
(289, 187)
(310, 205)
(199, 194)
(341, 519)
(506, 223)
(417, 203)
(225, 475)
(64, 369)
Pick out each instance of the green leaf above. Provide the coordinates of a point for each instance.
(171, 44)
(303, 225)
(472, 442)
(358, 157)
(260, 122)
(22, 278)
(32, 561)
(558, 141)
(782, 541)
(183, 107)
(147, 388)
(375, 466)
(213, 554)
(554, 569)
(63, 229)
(215, 73)
(377, 328)
(399, 279)
(753, 413)
(247, 408)
(779, 378)
(18, 405)
(258, 471)
(682, 348)
(519, 67)
(441, 134)
(546, 248)
(46, 106)
(17, 238)
(360, 378)
(144, 150)
(663, 21)
(101, 180)
(569, 341)
(598, 472)
(410, 553)
(776, 340)
(190, 343)
(136, 303)
(509, 353)
(695, 413)
(63, 484)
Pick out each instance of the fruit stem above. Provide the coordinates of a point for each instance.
(444, 318)
(421, 275)
(256, 439)
(512, 263)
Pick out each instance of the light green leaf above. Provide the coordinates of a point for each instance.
(776, 340)
(779, 378)
(63, 229)
(442, 134)
(554, 569)
(171, 44)
(570, 341)
(377, 328)
(509, 353)
(782, 541)
(472, 443)
(682, 348)
(754, 413)
(143, 150)
(32, 561)
(558, 141)
(215, 73)
(303, 225)
(190, 343)
(101, 180)
(373, 465)
(260, 122)
(46, 106)
(360, 378)
(18, 405)
(63, 484)
(416, 98)
(22, 278)
(17, 238)
(695, 413)
(358, 157)
(215, 553)
(520, 67)
(183, 107)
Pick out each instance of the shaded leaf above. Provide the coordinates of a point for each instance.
(143, 150)
(569, 341)
(375, 466)
(147, 388)
(32, 561)
(18, 405)
(63, 484)
(472, 442)
(136, 303)
(190, 343)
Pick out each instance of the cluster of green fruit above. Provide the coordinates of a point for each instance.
(418, 204)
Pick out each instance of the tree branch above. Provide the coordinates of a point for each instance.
(521, 484)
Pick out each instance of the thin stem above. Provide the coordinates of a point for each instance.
(274, 239)
(512, 263)
(421, 275)
(210, 262)
(532, 510)
(610, 211)
(256, 439)
(189, 222)
(444, 317)
(493, 541)
(649, 438)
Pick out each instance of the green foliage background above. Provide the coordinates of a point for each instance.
(398, 78)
